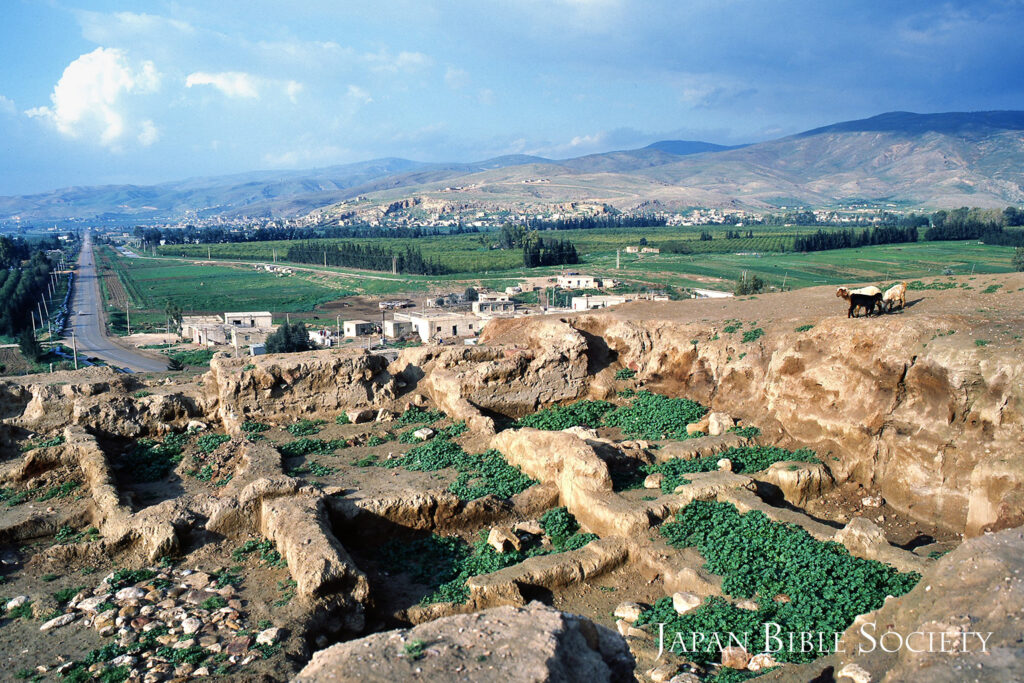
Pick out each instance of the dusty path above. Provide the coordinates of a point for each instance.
(87, 321)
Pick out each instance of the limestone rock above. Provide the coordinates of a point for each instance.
(853, 674)
(799, 482)
(724, 465)
(735, 657)
(424, 433)
(548, 646)
(719, 423)
(684, 602)
(57, 622)
(662, 673)
(629, 611)
(360, 416)
(764, 660)
(15, 602)
(653, 481)
(502, 539)
(269, 636)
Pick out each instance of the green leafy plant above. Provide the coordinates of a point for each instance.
(413, 650)
(44, 443)
(804, 328)
(758, 558)
(268, 553)
(252, 427)
(580, 414)
(753, 335)
(746, 432)
(61, 491)
(213, 602)
(342, 419)
(152, 461)
(653, 416)
(305, 427)
(625, 373)
(415, 415)
(208, 443)
(123, 578)
(141, 393)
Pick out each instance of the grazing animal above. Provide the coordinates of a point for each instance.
(895, 296)
(860, 299)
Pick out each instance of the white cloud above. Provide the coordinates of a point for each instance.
(149, 133)
(89, 98)
(231, 83)
(7, 105)
(456, 78)
(385, 62)
(115, 27)
(357, 93)
(292, 90)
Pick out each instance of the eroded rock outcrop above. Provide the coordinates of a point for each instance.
(296, 385)
(915, 415)
(532, 643)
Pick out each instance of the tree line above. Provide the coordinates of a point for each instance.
(366, 257)
(190, 234)
(823, 240)
(986, 225)
(543, 252)
(635, 220)
(20, 288)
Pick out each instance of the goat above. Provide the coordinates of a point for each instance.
(861, 299)
(895, 295)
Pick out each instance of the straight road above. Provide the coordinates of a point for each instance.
(87, 321)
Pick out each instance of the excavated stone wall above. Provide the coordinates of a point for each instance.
(933, 424)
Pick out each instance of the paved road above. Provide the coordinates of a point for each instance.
(87, 321)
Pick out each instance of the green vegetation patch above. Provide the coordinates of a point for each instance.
(152, 460)
(197, 357)
(265, 549)
(480, 474)
(445, 564)
(580, 414)
(758, 558)
(752, 335)
(305, 427)
(416, 415)
(745, 459)
(804, 328)
(44, 443)
(625, 373)
(653, 416)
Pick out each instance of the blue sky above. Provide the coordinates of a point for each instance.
(141, 92)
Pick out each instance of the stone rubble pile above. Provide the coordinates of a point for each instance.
(175, 623)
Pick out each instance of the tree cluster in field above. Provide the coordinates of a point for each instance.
(823, 240)
(365, 256)
(986, 225)
(1018, 259)
(538, 251)
(746, 286)
(20, 289)
(288, 338)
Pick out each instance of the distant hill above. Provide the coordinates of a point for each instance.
(687, 147)
(900, 159)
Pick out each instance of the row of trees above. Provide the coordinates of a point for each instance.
(365, 256)
(987, 225)
(637, 220)
(844, 239)
(541, 252)
(20, 289)
(191, 234)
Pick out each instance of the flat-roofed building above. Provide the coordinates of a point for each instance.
(261, 319)
(396, 329)
(589, 303)
(431, 325)
(357, 328)
(493, 307)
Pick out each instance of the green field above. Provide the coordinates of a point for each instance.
(216, 288)
(472, 253)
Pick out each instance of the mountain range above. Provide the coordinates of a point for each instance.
(897, 159)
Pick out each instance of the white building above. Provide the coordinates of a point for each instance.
(442, 325)
(357, 328)
(577, 281)
(711, 294)
(492, 296)
(261, 319)
(589, 303)
(479, 307)
(395, 329)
